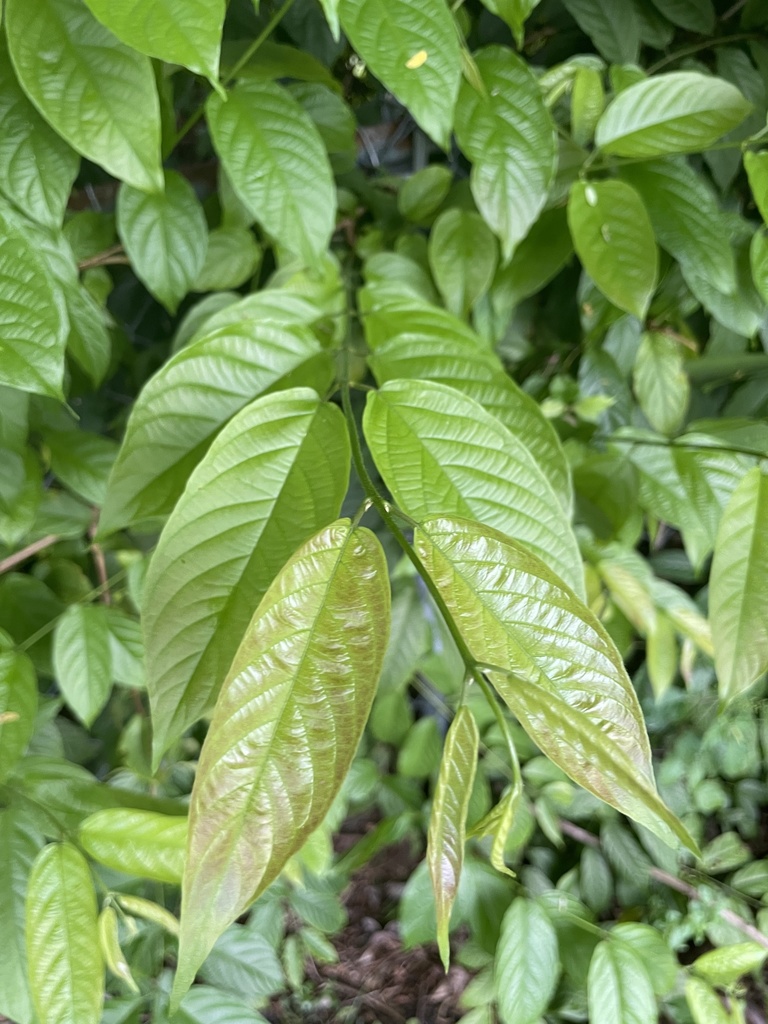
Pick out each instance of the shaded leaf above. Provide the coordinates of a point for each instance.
(82, 660)
(462, 257)
(695, 15)
(527, 963)
(285, 728)
(19, 845)
(18, 706)
(618, 987)
(756, 166)
(244, 963)
(660, 381)
(232, 256)
(142, 843)
(614, 28)
(82, 461)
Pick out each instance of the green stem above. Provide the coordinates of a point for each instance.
(708, 44)
(266, 32)
(650, 442)
(482, 682)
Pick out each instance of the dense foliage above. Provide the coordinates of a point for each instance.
(382, 423)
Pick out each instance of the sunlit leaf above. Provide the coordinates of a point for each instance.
(141, 843)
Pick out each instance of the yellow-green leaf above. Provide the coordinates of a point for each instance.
(142, 843)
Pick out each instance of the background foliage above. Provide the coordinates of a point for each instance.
(508, 262)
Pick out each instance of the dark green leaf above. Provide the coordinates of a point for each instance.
(463, 257)
(19, 844)
(613, 28)
(18, 706)
(756, 166)
(695, 15)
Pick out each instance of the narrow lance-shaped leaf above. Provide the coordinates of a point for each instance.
(447, 823)
(109, 940)
(98, 94)
(18, 706)
(185, 404)
(66, 968)
(439, 451)
(82, 659)
(142, 843)
(558, 670)
(274, 476)
(527, 963)
(497, 824)
(285, 729)
(738, 594)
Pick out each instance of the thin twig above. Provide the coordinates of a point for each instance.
(102, 258)
(708, 44)
(31, 549)
(100, 566)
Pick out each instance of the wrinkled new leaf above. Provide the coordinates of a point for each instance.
(285, 729)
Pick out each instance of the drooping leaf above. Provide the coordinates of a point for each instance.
(82, 660)
(613, 28)
(37, 167)
(285, 728)
(462, 256)
(738, 599)
(661, 383)
(18, 705)
(447, 823)
(618, 987)
(515, 615)
(527, 963)
(187, 33)
(614, 240)
(33, 319)
(509, 136)
(438, 451)
(756, 166)
(95, 92)
(142, 843)
(277, 163)
(677, 112)
(165, 237)
(19, 845)
(185, 404)
(66, 968)
(276, 474)
(109, 940)
(391, 39)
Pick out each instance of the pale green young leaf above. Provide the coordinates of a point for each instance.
(19, 845)
(277, 163)
(82, 660)
(695, 15)
(95, 92)
(509, 137)
(187, 33)
(232, 257)
(185, 404)
(142, 843)
(271, 766)
(687, 219)
(33, 317)
(527, 963)
(554, 664)
(165, 237)
(462, 257)
(587, 104)
(619, 990)
(66, 967)
(649, 944)
(726, 965)
(678, 112)
(705, 1004)
(614, 28)
(440, 451)
(758, 257)
(18, 706)
(413, 48)
(756, 166)
(148, 911)
(738, 595)
(276, 474)
(109, 940)
(428, 344)
(497, 824)
(660, 381)
(37, 167)
(614, 240)
(448, 820)
(331, 11)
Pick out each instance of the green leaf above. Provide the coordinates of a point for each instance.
(244, 962)
(82, 660)
(37, 168)
(462, 257)
(497, 823)
(686, 218)
(649, 945)
(232, 257)
(515, 13)
(66, 969)
(613, 238)
(331, 11)
(277, 163)
(81, 461)
(148, 911)
(438, 451)
(756, 166)
(758, 257)
(276, 474)
(695, 15)
(19, 845)
(141, 843)
(430, 345)
(554, 664)
(423, 193)
(660, 381)
(737, 594)
(527, 963)
(541, 255)
(704, 1003)
(187, 402)
(509, 136)
(448, 820)
(95, 92)
(18, 706)
(413, 48)
(613, 28)
(726, 965)
(587, 103)
(271, 765)
(188, 33)
(109, 940)
(126, 647)
(32, 317)
(165, 237)
(678, 112)
(618, 987)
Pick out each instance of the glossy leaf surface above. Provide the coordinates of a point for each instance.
(440, 452)
(246, 508)
(447, 823)
(285, 728)
(82, 660)
(141, 843)
(527, 963)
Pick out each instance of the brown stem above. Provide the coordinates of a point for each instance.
(31, 549)
(100, 566)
